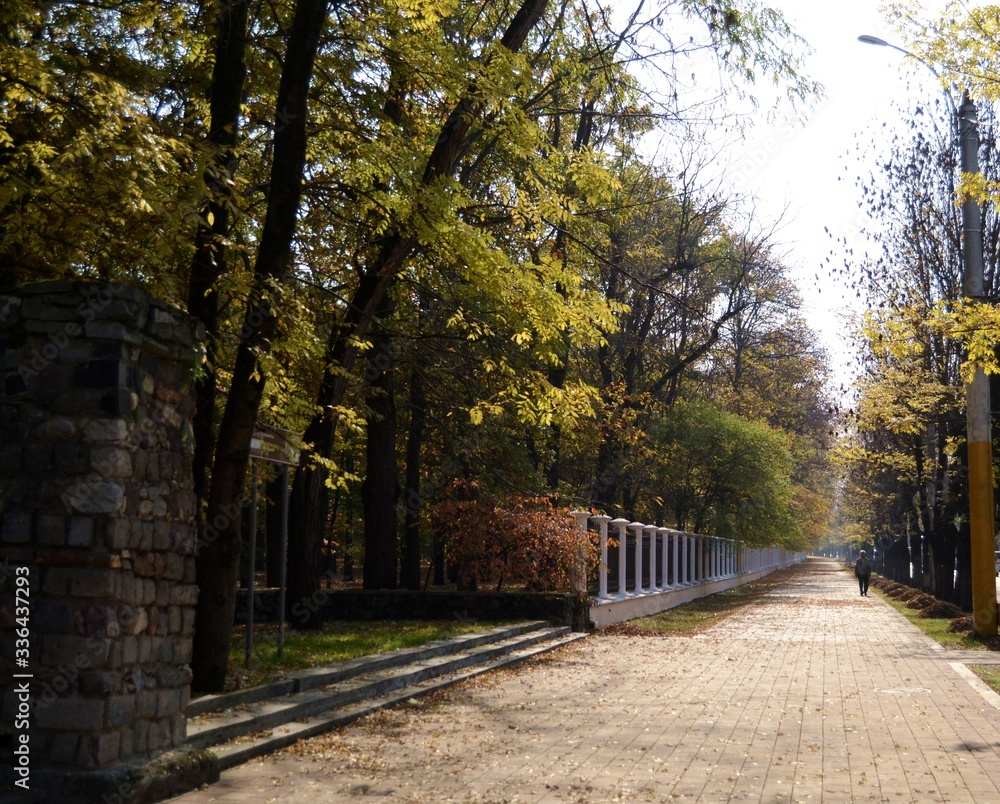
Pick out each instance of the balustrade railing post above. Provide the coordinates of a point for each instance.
(674, 553)
(637, 528)
(692, 558)
(620, 525)
(652, 531)
(602, 578)
(579, 580)
(683, 565)
(664, 561)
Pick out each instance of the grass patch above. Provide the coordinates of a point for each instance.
(701, 614)
(989, 673)
(936, 628)
(336, 642)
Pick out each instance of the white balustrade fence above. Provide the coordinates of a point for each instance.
(658, 568)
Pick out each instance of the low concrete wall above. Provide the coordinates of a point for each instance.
(628, 608)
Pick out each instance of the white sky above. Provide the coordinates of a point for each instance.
(797, 165)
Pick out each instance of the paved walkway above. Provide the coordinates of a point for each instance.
(815, 695)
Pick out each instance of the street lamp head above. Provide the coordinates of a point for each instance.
(868, 39)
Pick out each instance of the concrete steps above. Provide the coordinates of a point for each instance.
(241, 725)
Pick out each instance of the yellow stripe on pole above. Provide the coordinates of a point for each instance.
(984, 596)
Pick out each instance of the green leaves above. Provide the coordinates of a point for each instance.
(92, 178)
(720, 474)
(976, 325)
(542, 244)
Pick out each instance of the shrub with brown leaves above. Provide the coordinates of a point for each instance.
(513, 539)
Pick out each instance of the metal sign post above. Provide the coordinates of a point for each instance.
(250, 564)
(272, 445)
(283, 560)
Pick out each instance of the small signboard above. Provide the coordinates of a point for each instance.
(271, 444)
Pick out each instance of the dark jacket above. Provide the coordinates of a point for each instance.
(863, 566)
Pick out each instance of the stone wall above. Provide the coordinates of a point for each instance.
(96, 503)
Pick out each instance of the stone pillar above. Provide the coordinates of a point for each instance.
(97, 511)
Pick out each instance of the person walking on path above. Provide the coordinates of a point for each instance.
(863, 571)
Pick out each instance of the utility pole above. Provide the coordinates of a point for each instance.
(977, 397)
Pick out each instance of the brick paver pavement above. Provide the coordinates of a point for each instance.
(816, 694)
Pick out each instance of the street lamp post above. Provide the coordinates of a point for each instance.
(977, 392)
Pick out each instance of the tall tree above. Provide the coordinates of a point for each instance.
(209, 261)
(218, 558)
(390, 255)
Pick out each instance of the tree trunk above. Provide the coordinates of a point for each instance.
(209, 261)
(219, 545)
(899, 562)
(380, 489)
(410, 574)
(604, 492)
(944, 569)
(438, 558)
(272, 524)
